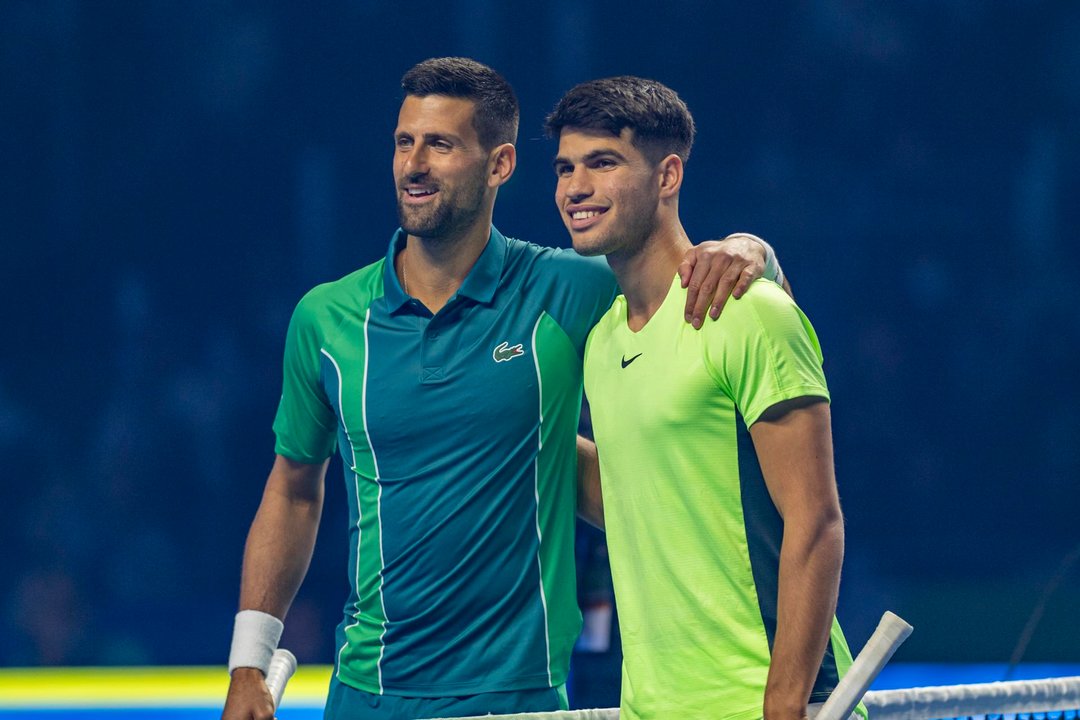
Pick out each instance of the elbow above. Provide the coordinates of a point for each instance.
(832, 522)
(830, 535)
(829, 525)
(820, 535)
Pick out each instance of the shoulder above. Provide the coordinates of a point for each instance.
(574, 291)
(357, 289)
(765, 306)
(764, 320)
(562, 262)
(324, 308)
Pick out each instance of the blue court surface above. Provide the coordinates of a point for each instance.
(197, 693)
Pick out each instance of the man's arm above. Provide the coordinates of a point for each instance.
(276, 558)
(793, 441)
(590, 505)
(717, 269)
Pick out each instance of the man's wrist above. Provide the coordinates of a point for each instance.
(773, 271)
(255, 637)
(783, 710)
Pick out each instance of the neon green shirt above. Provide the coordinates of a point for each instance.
(693, 533)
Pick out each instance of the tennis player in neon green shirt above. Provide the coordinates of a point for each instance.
(715, 447)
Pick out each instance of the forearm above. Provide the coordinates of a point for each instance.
(276, 558)
(282, 538)
(590, 504)
(810, 562)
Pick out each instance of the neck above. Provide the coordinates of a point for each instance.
(433, 269)
(645, 276)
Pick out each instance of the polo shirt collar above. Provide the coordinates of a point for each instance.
(480, 284)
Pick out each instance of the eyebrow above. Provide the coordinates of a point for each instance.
(431, 137)
(599, 152)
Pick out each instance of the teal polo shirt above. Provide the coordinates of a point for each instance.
(457, 433)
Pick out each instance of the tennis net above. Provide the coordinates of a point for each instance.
(1052, 699)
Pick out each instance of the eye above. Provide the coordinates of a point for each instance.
(603, 163)
(441, 145)
(403, 142)
(563, 169)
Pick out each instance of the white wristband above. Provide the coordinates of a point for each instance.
(255, 637)
(772, 265)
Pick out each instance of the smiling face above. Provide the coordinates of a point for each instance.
(608, 192)
(440, 167)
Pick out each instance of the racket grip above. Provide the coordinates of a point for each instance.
(890, 633)
(282, 667)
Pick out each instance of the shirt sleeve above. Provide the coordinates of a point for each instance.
(305, 424)
(763, 351)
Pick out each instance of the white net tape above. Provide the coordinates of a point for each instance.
(1001, 698)
(929, 703)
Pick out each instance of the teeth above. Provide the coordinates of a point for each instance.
(413, 192)
(584, 214)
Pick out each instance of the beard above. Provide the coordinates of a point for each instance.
(453, 211)
(625, 237)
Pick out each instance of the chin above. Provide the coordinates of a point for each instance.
(588, 250)
(420, 225)
(590, 247)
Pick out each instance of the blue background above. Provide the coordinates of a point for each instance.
(175, 175)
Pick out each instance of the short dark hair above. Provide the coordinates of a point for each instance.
(496, 116)
(660, 120)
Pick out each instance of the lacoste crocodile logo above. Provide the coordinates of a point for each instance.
(505, 351)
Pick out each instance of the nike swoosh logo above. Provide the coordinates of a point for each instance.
(626, 362)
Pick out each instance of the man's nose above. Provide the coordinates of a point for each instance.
(577, 186)
(415, 162)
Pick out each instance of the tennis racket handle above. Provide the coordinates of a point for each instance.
(890, 633)
(282, 667)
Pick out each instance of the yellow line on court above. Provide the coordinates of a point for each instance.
(142, 687)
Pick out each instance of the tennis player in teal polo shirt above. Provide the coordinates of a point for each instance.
(448, 377)
(457, 431)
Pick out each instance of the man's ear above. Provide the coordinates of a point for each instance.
(671, 176)
(501, 164)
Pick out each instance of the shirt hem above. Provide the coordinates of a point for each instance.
(526, 682)
(799, 391)
(300, 457)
